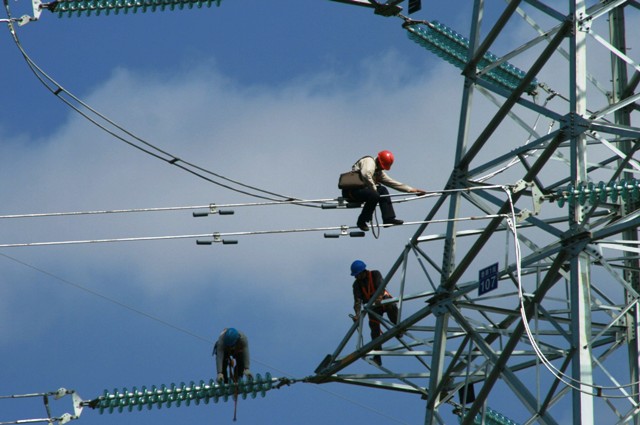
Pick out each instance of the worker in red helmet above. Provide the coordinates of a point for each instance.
(373, 190)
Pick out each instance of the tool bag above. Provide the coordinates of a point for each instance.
(350, 180)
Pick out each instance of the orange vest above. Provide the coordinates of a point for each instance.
(370, 289)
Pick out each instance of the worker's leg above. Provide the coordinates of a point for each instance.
(386, 207)
(370, 198)
(225, 368)
(392, 312)
(374, 325)
(239, 370)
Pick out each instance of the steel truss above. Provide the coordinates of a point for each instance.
(558, 338)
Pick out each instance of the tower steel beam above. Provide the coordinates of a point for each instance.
(558, 336)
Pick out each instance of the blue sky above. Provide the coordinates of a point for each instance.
(284, 97)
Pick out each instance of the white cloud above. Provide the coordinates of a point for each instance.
(294, 140)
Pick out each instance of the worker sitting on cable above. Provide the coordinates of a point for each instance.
(365, 285)
(372, 192)
(232, 346)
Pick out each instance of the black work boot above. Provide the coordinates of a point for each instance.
(362, 225)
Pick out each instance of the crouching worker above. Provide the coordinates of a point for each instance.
(365, 285)
(373, 191)
(232, 348)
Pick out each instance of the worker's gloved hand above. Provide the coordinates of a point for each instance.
(220, 378)
(355, 318)
(248, 374)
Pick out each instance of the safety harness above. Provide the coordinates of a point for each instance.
(369, 290)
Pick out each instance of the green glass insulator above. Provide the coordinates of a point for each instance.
(591, 187)
(613, 192)
(582, 197)
(602, 191)
(560, 198)
(572, 193)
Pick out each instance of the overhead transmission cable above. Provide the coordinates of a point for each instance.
(218, 236)
(127, 136)
(324, 202)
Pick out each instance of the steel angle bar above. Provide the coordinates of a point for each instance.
(414, 389)
(545, 224)
(418, 252)
(523, 48)
(466, 261)
(463, 233)
(546, 9)
(598, 362)
(623, 158)
(489, 86)
(630, 221)
(402, 281)
(339, 364)
(614, 321)
(550, 400)
(627, 286)
(561, 50)
(432, 213)
(489, 95)
(547, 283)
(449, 371)
(598, 10)
(614, 107)
(615, 129)
(478, 54)
(370, 376)
(604, 164)
(631, 85)
(408, 384)
(619, 248)
(519, 388)
(475, 148)
(554, 321)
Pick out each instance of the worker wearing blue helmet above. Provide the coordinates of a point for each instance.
(232, 348)
(366, 284)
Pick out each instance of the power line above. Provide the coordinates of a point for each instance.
(218, 237)
(126, 136)
(325, 203)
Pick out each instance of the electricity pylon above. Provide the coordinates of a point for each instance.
(547, 187)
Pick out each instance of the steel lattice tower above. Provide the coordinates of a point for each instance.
(553, 167)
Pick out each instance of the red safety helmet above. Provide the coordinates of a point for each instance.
(385, 158)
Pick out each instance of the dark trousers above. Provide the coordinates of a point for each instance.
(237, 369)
(374, 323)
(371, 198)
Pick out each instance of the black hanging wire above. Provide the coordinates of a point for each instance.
(375, 226)
(56, 89)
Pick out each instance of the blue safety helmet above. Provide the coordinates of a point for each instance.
(358, 267)
(231, 336)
